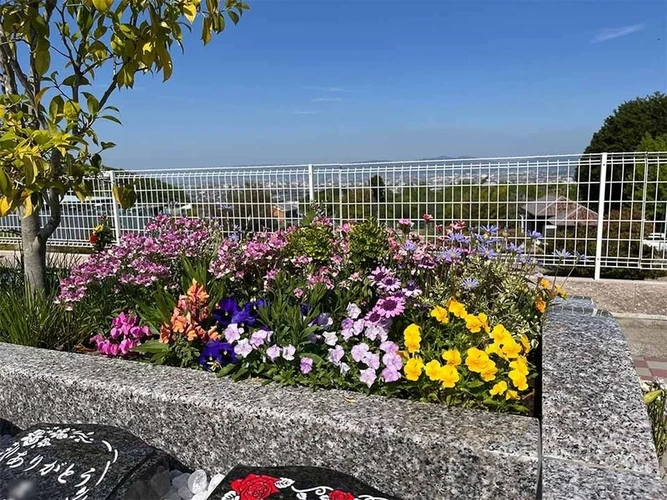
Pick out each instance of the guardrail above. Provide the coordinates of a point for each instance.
(610, 206)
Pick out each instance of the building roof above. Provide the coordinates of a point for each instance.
(561, 211)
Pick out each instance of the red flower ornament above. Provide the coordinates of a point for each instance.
(255, 487)
(93, 239)
(341, 495)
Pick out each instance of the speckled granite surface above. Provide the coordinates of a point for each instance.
(567, 480)
(593, 411)
(410, 450)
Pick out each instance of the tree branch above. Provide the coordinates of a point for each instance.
(53, 199)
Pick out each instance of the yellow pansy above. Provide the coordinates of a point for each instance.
(440, 314)
(456, 308)
(473, 323)
(511, 348)
(499, 333)
(413, 369)
(494, 348)
(499, 388)
(476, 360)
(432, 370)
(449, 376)
(525, 343)
(452, 356)
(540, 305)
(412, 336)
(489, 372)
(520, 364)
(484, 320)
(518, 379)
(510, 394)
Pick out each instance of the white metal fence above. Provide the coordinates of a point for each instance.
(610, 206)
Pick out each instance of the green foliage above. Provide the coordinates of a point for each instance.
(655, 397)
(252, 209)
(624, 130)
(314, 241)
(368, 244)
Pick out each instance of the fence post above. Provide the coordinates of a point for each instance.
(600, 228)
(114, 205)
(340, 196)
(311, 184)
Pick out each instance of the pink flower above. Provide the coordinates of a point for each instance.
(306, 365)
(390, 307)
(368, 377)
(427, 218)
(359, 352)
(390, 374)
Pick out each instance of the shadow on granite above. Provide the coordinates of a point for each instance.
(407, 449)
(596, 436)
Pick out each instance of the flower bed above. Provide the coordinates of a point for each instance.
(455, 319)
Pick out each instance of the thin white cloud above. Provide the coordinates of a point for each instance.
(303, 112)
(327, 99)
(329, 89)
(611, 33)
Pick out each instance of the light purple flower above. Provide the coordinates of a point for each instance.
(324, 320)
(233, 333)
(351, 328)
(389, 284)
(380, 273)
(469, 284)
(306, 365)
(288, 352)
(359, 352)
(389, 346)
(273, 352)
(336, 354)
(368, 377)
(243, 348)
(390, 374)
(259, 338)
(372, 360)
(298, 293)
(412, 290)
(353, 311)
(330, 338)
(374, 317)
(393, 360)
(344, 368)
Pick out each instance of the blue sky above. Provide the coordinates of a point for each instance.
(339, 80)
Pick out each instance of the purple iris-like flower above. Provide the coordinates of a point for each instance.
(390, 307)
(469, 284)
(226, 310)
(487, 253)
(306, 365)
(251, 312)
(368, 377)
(493, 229)
(535, 235)
(216, 352)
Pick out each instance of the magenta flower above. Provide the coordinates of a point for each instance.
(405, 225)
(427, 218)
(390, 307)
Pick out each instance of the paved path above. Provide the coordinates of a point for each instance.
(648, 343)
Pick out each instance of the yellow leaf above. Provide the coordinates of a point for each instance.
(190, 12)
(102, 5)
(5, 206)
(29, 208)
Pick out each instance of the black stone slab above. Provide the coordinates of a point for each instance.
(293, 483)
(78, 462)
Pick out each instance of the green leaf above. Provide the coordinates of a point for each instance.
(56, 106)
(226, 370)
(92, 103)
(111, 118)
(42, 56)
(5, 183)
(107, 145)
(649, 397)
(152, 347)
(206, 30)
(234, 16)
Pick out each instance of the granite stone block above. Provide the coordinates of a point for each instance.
(592, 406)
(407, 449)
(575, 481)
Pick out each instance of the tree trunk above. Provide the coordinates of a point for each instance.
(34, 254)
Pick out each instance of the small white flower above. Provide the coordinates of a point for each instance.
(353, 311)
(330, 338)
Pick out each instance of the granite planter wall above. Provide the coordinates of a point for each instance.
(594, 440)
(411, 450)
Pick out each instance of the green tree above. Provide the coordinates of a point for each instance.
(649, 182)
(50, 54)
(622, 131)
